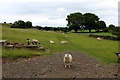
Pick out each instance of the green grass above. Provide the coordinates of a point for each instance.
(101, 33)
(21, 53)
(103, 50)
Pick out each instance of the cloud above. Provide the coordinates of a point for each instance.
(54, 12)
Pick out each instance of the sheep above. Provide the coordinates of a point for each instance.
(35, 41)
(19, 46)
(63, 42)
(3, 42)
(65, 36)
(28, 41)
(99, 39)
(12, 43)
(9, 46)
(52, 42)
(40, 48)
(118, 56)
(67, 60)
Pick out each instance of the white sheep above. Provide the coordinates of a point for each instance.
(63, 42)
(63, 33)
(99, 39)
(35, 41)
(9, 46)
(52, 42)
(67, 60)
(65, 36)
(40, 48)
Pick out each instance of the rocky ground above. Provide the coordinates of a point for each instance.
(52, 66)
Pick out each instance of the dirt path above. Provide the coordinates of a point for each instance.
(52, 66)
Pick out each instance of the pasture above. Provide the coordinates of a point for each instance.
(78, 42)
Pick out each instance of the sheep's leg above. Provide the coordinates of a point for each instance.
(69, 66)
(65, 65)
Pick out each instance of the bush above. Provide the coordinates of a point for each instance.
(21, 24)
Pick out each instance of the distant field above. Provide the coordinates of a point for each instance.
(100, 33)
(78, 42)
(85, 32)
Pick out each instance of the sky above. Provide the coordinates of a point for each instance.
(54, 12)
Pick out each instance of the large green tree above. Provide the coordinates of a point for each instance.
(100, 25)
(28, 24)
(90, 21)
(116, 31)
(21, 24)
(75, 21)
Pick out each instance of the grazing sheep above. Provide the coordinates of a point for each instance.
(67, 60)
(99, 39)
(118, 56)
(65, 36)
(40, 48)
(3, 42)
(52, 42)
(9, 46)
(63, 42)
(28, 41)
(12, 43)
(34, 41)
(19, 46)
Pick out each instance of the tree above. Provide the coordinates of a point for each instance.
(100, 25)
(111, 27)
(47, 28)
(75, 21)
(39, 27)
(90, 21)
(4, 22)
(21, 24)
(55, 29)
(18, 24)
(116, 31)
(28, 24)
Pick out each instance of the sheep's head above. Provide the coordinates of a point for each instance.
(66, 55)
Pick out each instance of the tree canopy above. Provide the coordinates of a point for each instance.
(89, 21)
(75, 21)
(100, 25)
(21, 24)
(116, 31)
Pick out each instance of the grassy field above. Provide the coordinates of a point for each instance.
(103, 50)
(101, 33)
(86, 32)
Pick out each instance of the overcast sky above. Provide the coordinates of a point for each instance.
(54, 12)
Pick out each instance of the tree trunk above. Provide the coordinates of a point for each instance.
(89, 30)
(75, 31)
